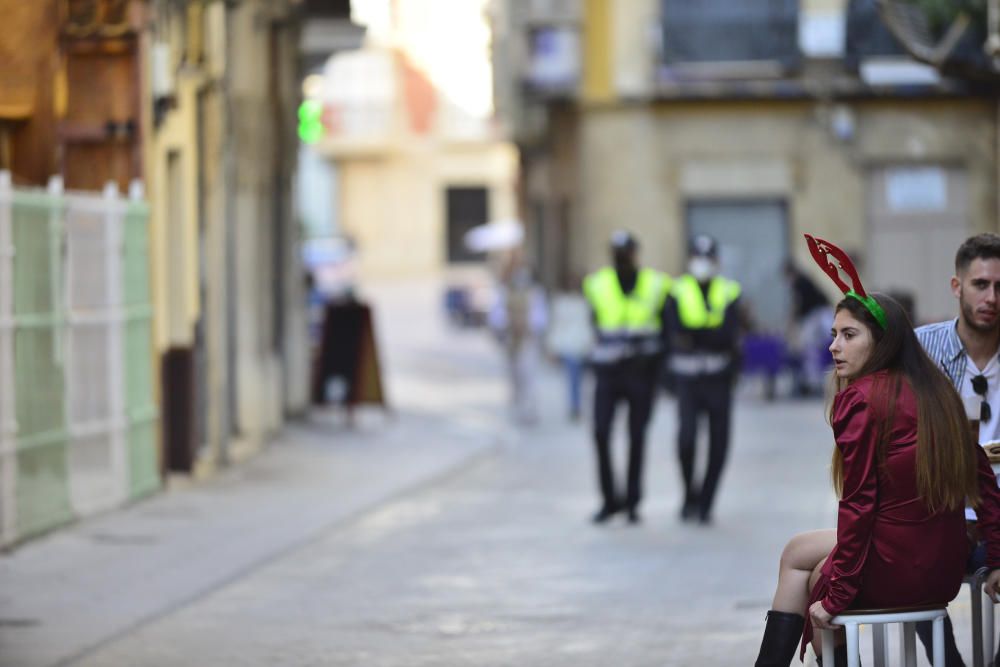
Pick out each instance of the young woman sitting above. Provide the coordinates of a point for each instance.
(904, 466)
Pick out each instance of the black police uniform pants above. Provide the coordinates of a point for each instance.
(712, 396)
(634, 384)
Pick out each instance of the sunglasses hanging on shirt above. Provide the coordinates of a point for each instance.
(979, 385)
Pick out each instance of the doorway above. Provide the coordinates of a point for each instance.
(466, 207)
(753, 245)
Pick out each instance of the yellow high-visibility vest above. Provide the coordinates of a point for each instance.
(635, 313)
(692, 309)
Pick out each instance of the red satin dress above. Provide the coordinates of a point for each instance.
(891, 550)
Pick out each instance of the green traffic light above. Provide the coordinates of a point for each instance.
(311, 127)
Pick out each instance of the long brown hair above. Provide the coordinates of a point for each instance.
(946, 464)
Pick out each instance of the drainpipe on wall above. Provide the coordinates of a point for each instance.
(229, 250)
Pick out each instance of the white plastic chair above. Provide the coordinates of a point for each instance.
(878, 619)
(982, 619)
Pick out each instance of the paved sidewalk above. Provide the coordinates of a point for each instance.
(65, 594)
(499, 565)
(443, 537)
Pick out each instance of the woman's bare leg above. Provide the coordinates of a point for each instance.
(783, 631)
(838, 635)
(802, 556)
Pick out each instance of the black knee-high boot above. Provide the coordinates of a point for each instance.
(839, 656)
(782, 636)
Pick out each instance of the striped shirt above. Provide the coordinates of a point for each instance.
(943, 346)
(945, 349)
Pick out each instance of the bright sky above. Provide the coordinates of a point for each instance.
(448, 39)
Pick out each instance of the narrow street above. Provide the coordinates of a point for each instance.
(439, 535)
(200, 198)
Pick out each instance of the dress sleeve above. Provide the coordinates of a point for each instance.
(854, 430)
(988, 512)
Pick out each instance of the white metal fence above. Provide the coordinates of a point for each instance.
(7, 423)
(94, 350)
(71, 443)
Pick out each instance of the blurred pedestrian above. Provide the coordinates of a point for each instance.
(703, 323)
(570, 338)
(903, 466)
(967, 349)
(518, 318)
(808, 331)
(626, 303)
(315, 309)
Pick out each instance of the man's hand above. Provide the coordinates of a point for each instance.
(992, 585)
(821, 617)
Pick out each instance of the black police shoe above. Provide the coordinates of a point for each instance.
(605, 513)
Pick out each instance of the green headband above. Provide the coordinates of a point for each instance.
(871, 305)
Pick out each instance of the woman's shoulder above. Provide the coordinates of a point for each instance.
(858, 394)
(862, 387)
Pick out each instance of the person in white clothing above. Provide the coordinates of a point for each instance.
(967, 349)
(518, 318)
(570, 337)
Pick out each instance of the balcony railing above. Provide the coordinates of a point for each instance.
(867, 35)
(730, 31)
(881, 27)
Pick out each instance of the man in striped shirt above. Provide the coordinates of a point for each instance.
(966, 349)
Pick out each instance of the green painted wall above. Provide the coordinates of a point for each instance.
(140, 406)
(42, 493)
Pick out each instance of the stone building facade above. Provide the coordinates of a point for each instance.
(823, 127)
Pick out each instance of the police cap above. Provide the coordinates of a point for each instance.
(703, 245)
(624, 240)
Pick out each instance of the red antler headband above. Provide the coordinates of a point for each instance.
(820, 250)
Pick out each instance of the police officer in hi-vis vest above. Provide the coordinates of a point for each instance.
(627, 306)
(702, 320)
